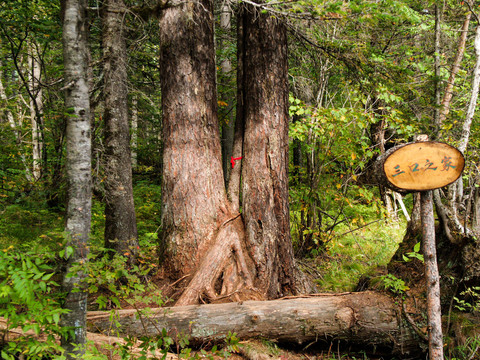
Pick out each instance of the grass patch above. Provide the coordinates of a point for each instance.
(351, 254)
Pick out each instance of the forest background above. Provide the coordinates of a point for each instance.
(363, 76)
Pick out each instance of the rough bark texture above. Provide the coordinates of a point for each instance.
(203, 235)
(265, 162)
(78, 214)
(120, 221)
(202, 238)
(366, 319)
(193, 189)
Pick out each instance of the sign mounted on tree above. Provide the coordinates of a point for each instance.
(421, 166)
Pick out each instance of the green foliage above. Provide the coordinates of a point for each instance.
(115, 280)
(469, 299)
(415, 254)
(29, 299)
(394, 284)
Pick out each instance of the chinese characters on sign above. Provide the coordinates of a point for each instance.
(446, 164)
(423, 166)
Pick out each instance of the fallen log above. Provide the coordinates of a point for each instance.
(366, 319)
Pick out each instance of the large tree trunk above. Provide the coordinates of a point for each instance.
(120, 221)
(265, 149)
(78, 214)
(203, 238)
(368, 319)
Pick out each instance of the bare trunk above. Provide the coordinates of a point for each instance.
(434, 311)
(78, 214)
(36, 111)
(367, 319)
(447, 97)
(436, 80)
(134, 127)
(265, 163)
(202, 237)
(120, 221)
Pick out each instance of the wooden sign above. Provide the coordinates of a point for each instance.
(422, 166)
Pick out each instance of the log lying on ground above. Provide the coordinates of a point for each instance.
(364, 319)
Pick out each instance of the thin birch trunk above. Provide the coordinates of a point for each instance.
(36, 110)
(134, 130)
(78, 214)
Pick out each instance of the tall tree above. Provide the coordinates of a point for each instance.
(203, 237)
(265, 163)
(78, 213)
(120, 221)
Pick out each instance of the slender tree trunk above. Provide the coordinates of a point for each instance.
(78, 214)
(36, 111)
(134, 127)
(436, 80)
(447, 97)
(434, 311)
(265, 162)
(120, 221)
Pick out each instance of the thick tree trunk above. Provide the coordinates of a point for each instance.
(120, 221)
(366, 319)
(202, 237)
(265, 163)
(78, 214)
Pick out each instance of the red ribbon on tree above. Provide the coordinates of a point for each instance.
(232, 160)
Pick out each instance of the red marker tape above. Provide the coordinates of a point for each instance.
(232, 160)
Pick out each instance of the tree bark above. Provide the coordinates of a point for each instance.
(120, 221)
(78, 213)
(434, 310)
(447, 97)
(36, 110)
(202, 237)
(366, 319)
(265, 163)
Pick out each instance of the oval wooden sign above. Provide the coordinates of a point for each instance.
(422, 166)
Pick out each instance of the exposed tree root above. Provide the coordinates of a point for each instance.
(225, 265)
